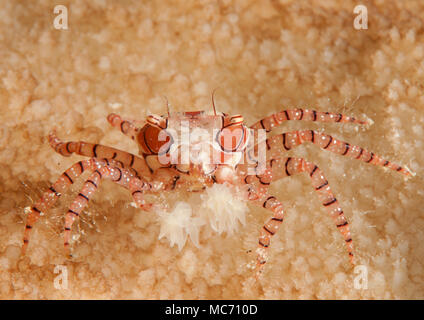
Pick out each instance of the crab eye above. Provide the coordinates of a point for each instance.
(238, 119)
(154, 140)
(232, 138)
(157, 121)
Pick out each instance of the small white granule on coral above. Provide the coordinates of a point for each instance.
(178, 224)
(104, 63)
(224, 210)
(115, 105)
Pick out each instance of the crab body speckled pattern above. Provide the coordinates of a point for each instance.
(194, 150)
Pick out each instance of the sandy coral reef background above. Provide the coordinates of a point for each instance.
(124, 56)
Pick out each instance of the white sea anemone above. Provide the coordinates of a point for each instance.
(223, 209)
(219, 206)
(178, 224)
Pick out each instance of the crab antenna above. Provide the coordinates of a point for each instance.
(167, 105)
(213, 102)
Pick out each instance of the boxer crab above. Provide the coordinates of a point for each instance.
(193, 151)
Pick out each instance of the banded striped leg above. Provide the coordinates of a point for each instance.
(289, 140)
(53, 193)
(127, 127)
(269, 229)
(127, 159)
(118, 175)
(276, 119)
(284, 167)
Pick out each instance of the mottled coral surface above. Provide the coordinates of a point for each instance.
(263, 56)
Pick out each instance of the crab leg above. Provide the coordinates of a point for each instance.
(99, 151)
(127, 127)
(283, 167)
(276, 119)
(289, 140)
(118, 175)
(68, 178)
(53, 193)
(269, 229)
